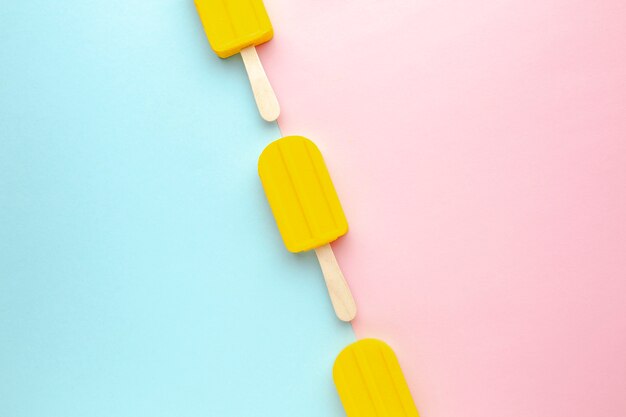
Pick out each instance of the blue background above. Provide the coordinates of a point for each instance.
(141, 272)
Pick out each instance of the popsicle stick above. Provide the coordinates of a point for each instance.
(264, 95)
(338, 289)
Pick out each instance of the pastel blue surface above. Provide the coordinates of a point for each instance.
(141, 272)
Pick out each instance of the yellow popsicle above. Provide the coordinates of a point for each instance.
(237, 26)
(232, 25)
(301, 194)
(370, 382)
(306, 208)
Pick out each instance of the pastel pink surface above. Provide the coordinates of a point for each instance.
(479, 149)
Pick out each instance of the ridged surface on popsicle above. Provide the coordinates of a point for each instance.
(232, 25)
(301, 194)
(370, 382)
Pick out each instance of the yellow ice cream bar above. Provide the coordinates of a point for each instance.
(370, 382)
(232, 25)
(301, 194)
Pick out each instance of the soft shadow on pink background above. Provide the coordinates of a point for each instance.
(479, 149)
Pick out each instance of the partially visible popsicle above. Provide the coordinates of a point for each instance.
(307, 210)
(237, 26)
(370, 382)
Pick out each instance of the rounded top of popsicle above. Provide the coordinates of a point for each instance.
(370, 382)
(367, 347)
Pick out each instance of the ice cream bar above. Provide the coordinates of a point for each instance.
(306, 208)
(370, 382)
(301, 194)
(237, 26)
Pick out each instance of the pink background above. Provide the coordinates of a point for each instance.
(479, 149)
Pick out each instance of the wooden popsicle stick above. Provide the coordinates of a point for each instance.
(338, 289)
(264, 95)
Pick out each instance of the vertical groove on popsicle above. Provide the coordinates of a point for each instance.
(254, 12)
(319, 182)
(384, 355)
(295, 189)
(370, 382)
(360, 405)
(230, 21)
(299, 180)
